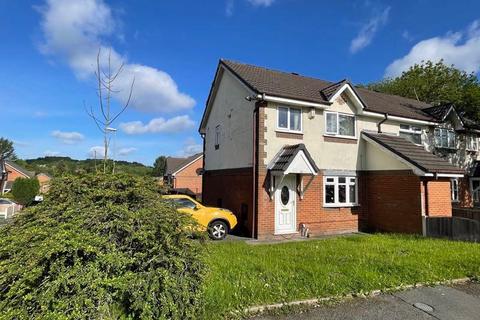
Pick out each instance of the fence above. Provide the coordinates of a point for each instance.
(470, 213)
(455, 228)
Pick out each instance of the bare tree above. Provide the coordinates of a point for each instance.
(105, 89)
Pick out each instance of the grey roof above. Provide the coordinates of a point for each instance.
(287, 154)
(173, 164)
(20, 169)
(294, 86)
(415, 155)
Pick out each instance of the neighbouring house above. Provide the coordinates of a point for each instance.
(14, 171)
(288, 153)
(183, 175)
(44, 180)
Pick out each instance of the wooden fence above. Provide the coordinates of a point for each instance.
(455, 228)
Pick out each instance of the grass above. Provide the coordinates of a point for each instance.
(243, 275)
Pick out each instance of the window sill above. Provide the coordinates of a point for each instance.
(340, 137)
(289, 131)
(333, 206)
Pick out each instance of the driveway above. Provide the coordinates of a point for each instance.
(456, 302)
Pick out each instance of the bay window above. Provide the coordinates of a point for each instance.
(340, 124)
(289, 119)
(411, 133)
(340, 191)
(444, 138)
(472, 143)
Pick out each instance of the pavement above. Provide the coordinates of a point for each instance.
(453, 302)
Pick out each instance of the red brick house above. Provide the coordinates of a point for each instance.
(13, 171)
(287, 153)
(184, 174)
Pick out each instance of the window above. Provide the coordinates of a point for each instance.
(444, 138)
(411, 133)
(475, 188)
(454, 187)
(472, 144)
(184, 203)
(339, 124)
(217, 137)
(289, 119)
(340, 191)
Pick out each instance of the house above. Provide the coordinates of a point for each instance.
(14, 171)
(288, 153)
(184, 174)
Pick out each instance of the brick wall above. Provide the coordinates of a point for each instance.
(439, 198)
(464, 193)
(231, 189)
(13, 174)
(189, 177)
(393, 201)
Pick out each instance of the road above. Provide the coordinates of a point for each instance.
(456, 302)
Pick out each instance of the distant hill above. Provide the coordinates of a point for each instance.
(56, 166)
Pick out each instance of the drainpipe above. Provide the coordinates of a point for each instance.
(379, 125)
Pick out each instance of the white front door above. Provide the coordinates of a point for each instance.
(286, 206)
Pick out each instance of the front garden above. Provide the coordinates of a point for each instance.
(243, 275)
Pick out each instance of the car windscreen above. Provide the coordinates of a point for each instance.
(184, 203)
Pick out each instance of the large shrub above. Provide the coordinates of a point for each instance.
(24, 190)
(100, 247)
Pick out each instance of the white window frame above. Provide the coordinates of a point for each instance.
(469, 139)
(336, 134)
(335, 183)
(472, 192)
(287, 129)
(411, 130)
(454, 188)
(443, 146)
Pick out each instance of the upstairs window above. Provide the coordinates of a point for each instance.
(340, 124)
(340, 191)
(289, 119)
(472, 144)
(444, 138)
(411, 133)
(454, 187)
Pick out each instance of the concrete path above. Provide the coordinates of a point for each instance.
(456, 302)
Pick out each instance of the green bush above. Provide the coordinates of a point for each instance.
(24, 190)
(101, 247)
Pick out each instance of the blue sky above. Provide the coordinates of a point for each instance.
(172, 48)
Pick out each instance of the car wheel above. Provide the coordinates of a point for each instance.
(218, 230)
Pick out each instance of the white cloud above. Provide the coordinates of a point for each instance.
(126, 151)
(159, 125)
(75, 30)
(368, 31)
(96, 152)
(190, 148)
(67, 137)
(461, 49)
(261, 3)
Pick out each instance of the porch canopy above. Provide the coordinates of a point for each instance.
(422, 162)
(291, 159)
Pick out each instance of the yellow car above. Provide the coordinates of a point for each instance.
(217, 221)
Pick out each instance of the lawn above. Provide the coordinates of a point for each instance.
(243, 275)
